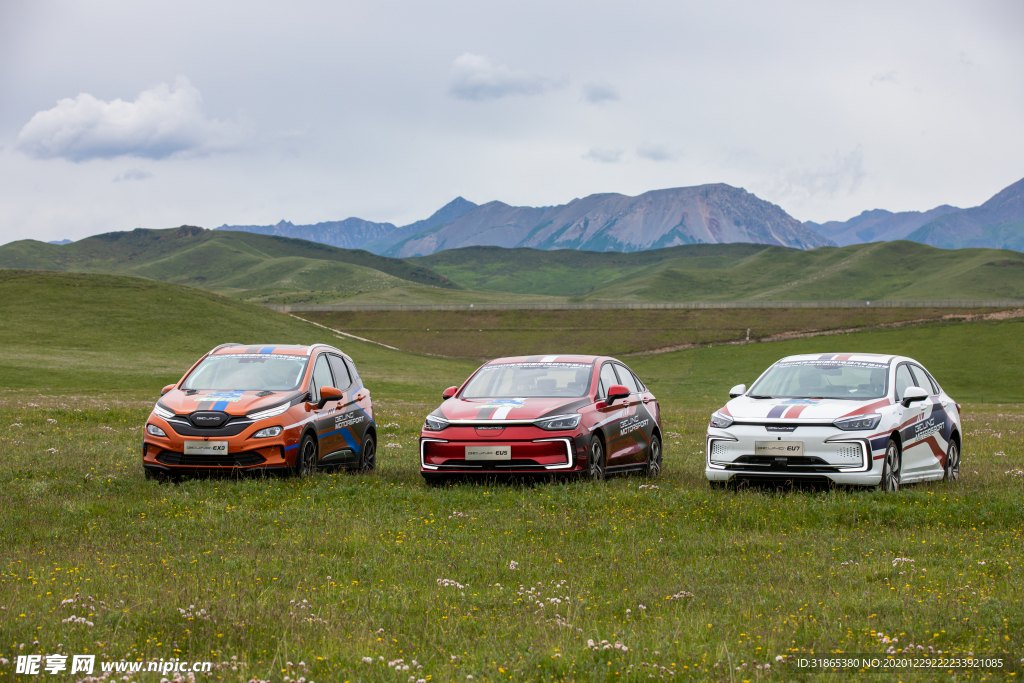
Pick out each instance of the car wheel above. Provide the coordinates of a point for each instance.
(891, 468)
(305, 464)
(595, 460)
(952, 468)
(654, 457)
(368, 457)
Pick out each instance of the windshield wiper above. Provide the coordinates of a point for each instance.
(753, 396)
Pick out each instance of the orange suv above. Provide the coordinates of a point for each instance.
(285, 407)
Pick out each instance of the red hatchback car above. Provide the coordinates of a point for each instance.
(544, 414)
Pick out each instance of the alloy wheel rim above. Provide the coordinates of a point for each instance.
(892, 460)
(953, 463)
(369, 457)
(595, 461)
(654, 467)
(307, 458)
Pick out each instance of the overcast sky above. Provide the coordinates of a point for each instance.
(121, 114)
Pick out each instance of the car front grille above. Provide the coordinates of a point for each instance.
(244, 459)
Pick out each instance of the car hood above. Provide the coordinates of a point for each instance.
(802, 409)
(230, 402)
(483, 409)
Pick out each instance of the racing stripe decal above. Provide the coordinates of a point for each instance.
(220, 405)
(548, 359)
(826, 356)
(843, 356)
(486, 413)
(794, 412)
(870, 408)
(502, 413)
(267, 349)
(777, 411)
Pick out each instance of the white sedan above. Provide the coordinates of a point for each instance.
(852, 418)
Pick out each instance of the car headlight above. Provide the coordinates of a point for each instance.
(433, 423)
(560, 422)
(160, 411)
(269, 431)
(153, 430)
(858, 422)
(269, 412)
(720, 421)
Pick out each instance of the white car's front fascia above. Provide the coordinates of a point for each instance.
(844, 456)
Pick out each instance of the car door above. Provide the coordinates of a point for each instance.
(910, 418)
(618, 449)
(349, 422)
(638, 426)
(322, 377)
(936, 427)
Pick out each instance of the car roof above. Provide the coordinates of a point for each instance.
(564, 358)
(272, 349)
(863, 357)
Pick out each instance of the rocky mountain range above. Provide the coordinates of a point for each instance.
(706, 214)
(878, 225)
(996, 224)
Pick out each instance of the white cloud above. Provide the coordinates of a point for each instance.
(132, 174)
(657, 151)
(600, 93)
(837, 176)
(475, 77)
(162, 121)
(604, 155)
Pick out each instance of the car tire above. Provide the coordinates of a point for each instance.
(654, 457)
(305, 461)
(368, 454)
(595, 460)
(891, 468)
(951, 470)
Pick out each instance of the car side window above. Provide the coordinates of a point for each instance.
(904, 380)
(626, 378)
(608, 378)
(321, 377)
(341, 376)
(924, 380)
(352, 369)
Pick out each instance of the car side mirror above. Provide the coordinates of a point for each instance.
(328, 394)
(617, 391)
(913, 394)
(448, 393)
(738, 390)
(167, 388)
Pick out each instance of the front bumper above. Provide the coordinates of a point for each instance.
(546, 454)
(828, 453)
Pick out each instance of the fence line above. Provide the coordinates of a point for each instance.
(592, 306)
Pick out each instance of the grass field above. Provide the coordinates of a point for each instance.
(208, 569)
(488, 334)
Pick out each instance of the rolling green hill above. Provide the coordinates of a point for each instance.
(88, 333)
(722, 272)
(239, 264)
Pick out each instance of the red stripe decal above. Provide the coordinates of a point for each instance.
(844, 356)
(870, 408)
(794, 412)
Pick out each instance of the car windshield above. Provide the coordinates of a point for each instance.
(526, 380)
(247, 372)
(823, 379)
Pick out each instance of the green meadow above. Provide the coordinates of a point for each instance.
(356, 577)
